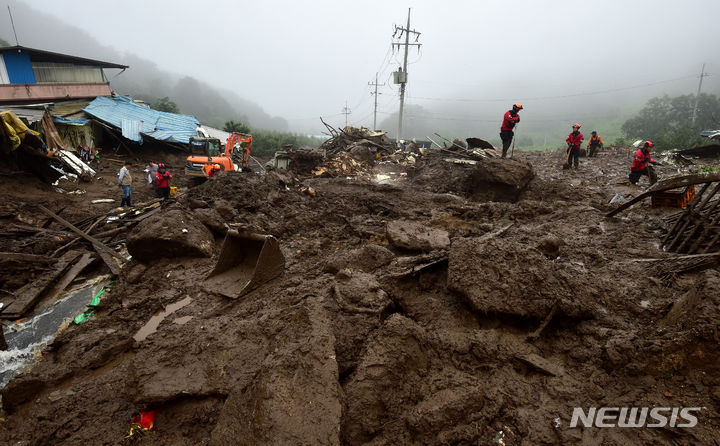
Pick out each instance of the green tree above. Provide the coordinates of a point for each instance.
(668, 121)
(4, 42)
(233, 126)
(165, 105)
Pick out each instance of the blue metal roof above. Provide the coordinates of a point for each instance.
(135, 120)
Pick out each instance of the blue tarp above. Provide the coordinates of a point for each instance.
(69, 121)
(135, 120)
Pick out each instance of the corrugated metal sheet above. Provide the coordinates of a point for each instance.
(19, 68)
(4, 79)
(131, 129)
(217, 133)
(135, 119)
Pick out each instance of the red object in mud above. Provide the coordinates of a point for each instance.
(146, 419)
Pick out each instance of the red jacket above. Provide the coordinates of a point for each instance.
(640, 161)
(162, 181)
(575, 139)
(509, 121)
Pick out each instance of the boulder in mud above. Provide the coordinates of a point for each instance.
(506, 277)
(414, 236)
(170, 234)
(367, 258)
(484, 179)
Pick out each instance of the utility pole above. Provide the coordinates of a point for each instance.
(376, 96)
(697, 97)
(401, 76)
(346, 111)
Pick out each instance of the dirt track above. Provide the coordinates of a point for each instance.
(366, 341)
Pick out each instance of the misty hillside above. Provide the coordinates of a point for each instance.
(144, 79)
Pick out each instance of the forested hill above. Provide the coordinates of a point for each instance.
(143, 80)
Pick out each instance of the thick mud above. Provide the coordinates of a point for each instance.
(477, 306)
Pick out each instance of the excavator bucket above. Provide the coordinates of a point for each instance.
(246, 261)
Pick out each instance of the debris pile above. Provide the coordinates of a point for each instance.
(359, 141)
(482, 300)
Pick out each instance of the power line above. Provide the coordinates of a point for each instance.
(613, 90)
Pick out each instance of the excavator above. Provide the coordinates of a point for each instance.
(207, 155)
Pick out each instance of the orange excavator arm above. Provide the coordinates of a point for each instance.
(245, 141)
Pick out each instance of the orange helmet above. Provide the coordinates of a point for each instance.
(576, 126)
(649, 145)
(518, 106)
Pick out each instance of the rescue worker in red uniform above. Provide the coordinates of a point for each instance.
(510, 119)
(640, 164)
(162, 179)
(574, 141)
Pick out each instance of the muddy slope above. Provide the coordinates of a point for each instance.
(363, 341)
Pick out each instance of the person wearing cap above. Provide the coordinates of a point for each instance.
(124, 182)
(510, 120)
(640, 164)
(574, 142)
(594, 144)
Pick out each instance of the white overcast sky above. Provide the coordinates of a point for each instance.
(304, 59)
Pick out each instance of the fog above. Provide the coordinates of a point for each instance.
(565, 61)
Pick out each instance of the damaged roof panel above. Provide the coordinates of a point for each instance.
(134, 119)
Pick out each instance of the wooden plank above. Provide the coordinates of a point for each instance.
(28, 295)
(670, 183)
(712, 221)
(680, 215)
(109, 261)
(698, 212)
(96, 243)
(16, 257)
(69, 276)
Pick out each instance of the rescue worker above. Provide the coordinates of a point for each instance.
(162, 178)
(574, 142)
(211, 169)
(510, 120)
(594, 144)
(640, 164)
(152, 169)
(124, 182)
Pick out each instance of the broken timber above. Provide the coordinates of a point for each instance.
(31, 293)
(670, 183)
(103, 251)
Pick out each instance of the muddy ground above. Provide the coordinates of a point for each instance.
(407, 314)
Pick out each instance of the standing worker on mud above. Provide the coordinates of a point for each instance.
(510, 119)
(152, 169)
(162, 178)
(574, 142)
(124, 182)
(594, 144)
(640, 164)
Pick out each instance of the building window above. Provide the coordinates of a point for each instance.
(61, 73)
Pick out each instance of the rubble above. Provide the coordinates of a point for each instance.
(438, 308)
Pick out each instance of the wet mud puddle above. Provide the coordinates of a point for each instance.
(151, 326)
